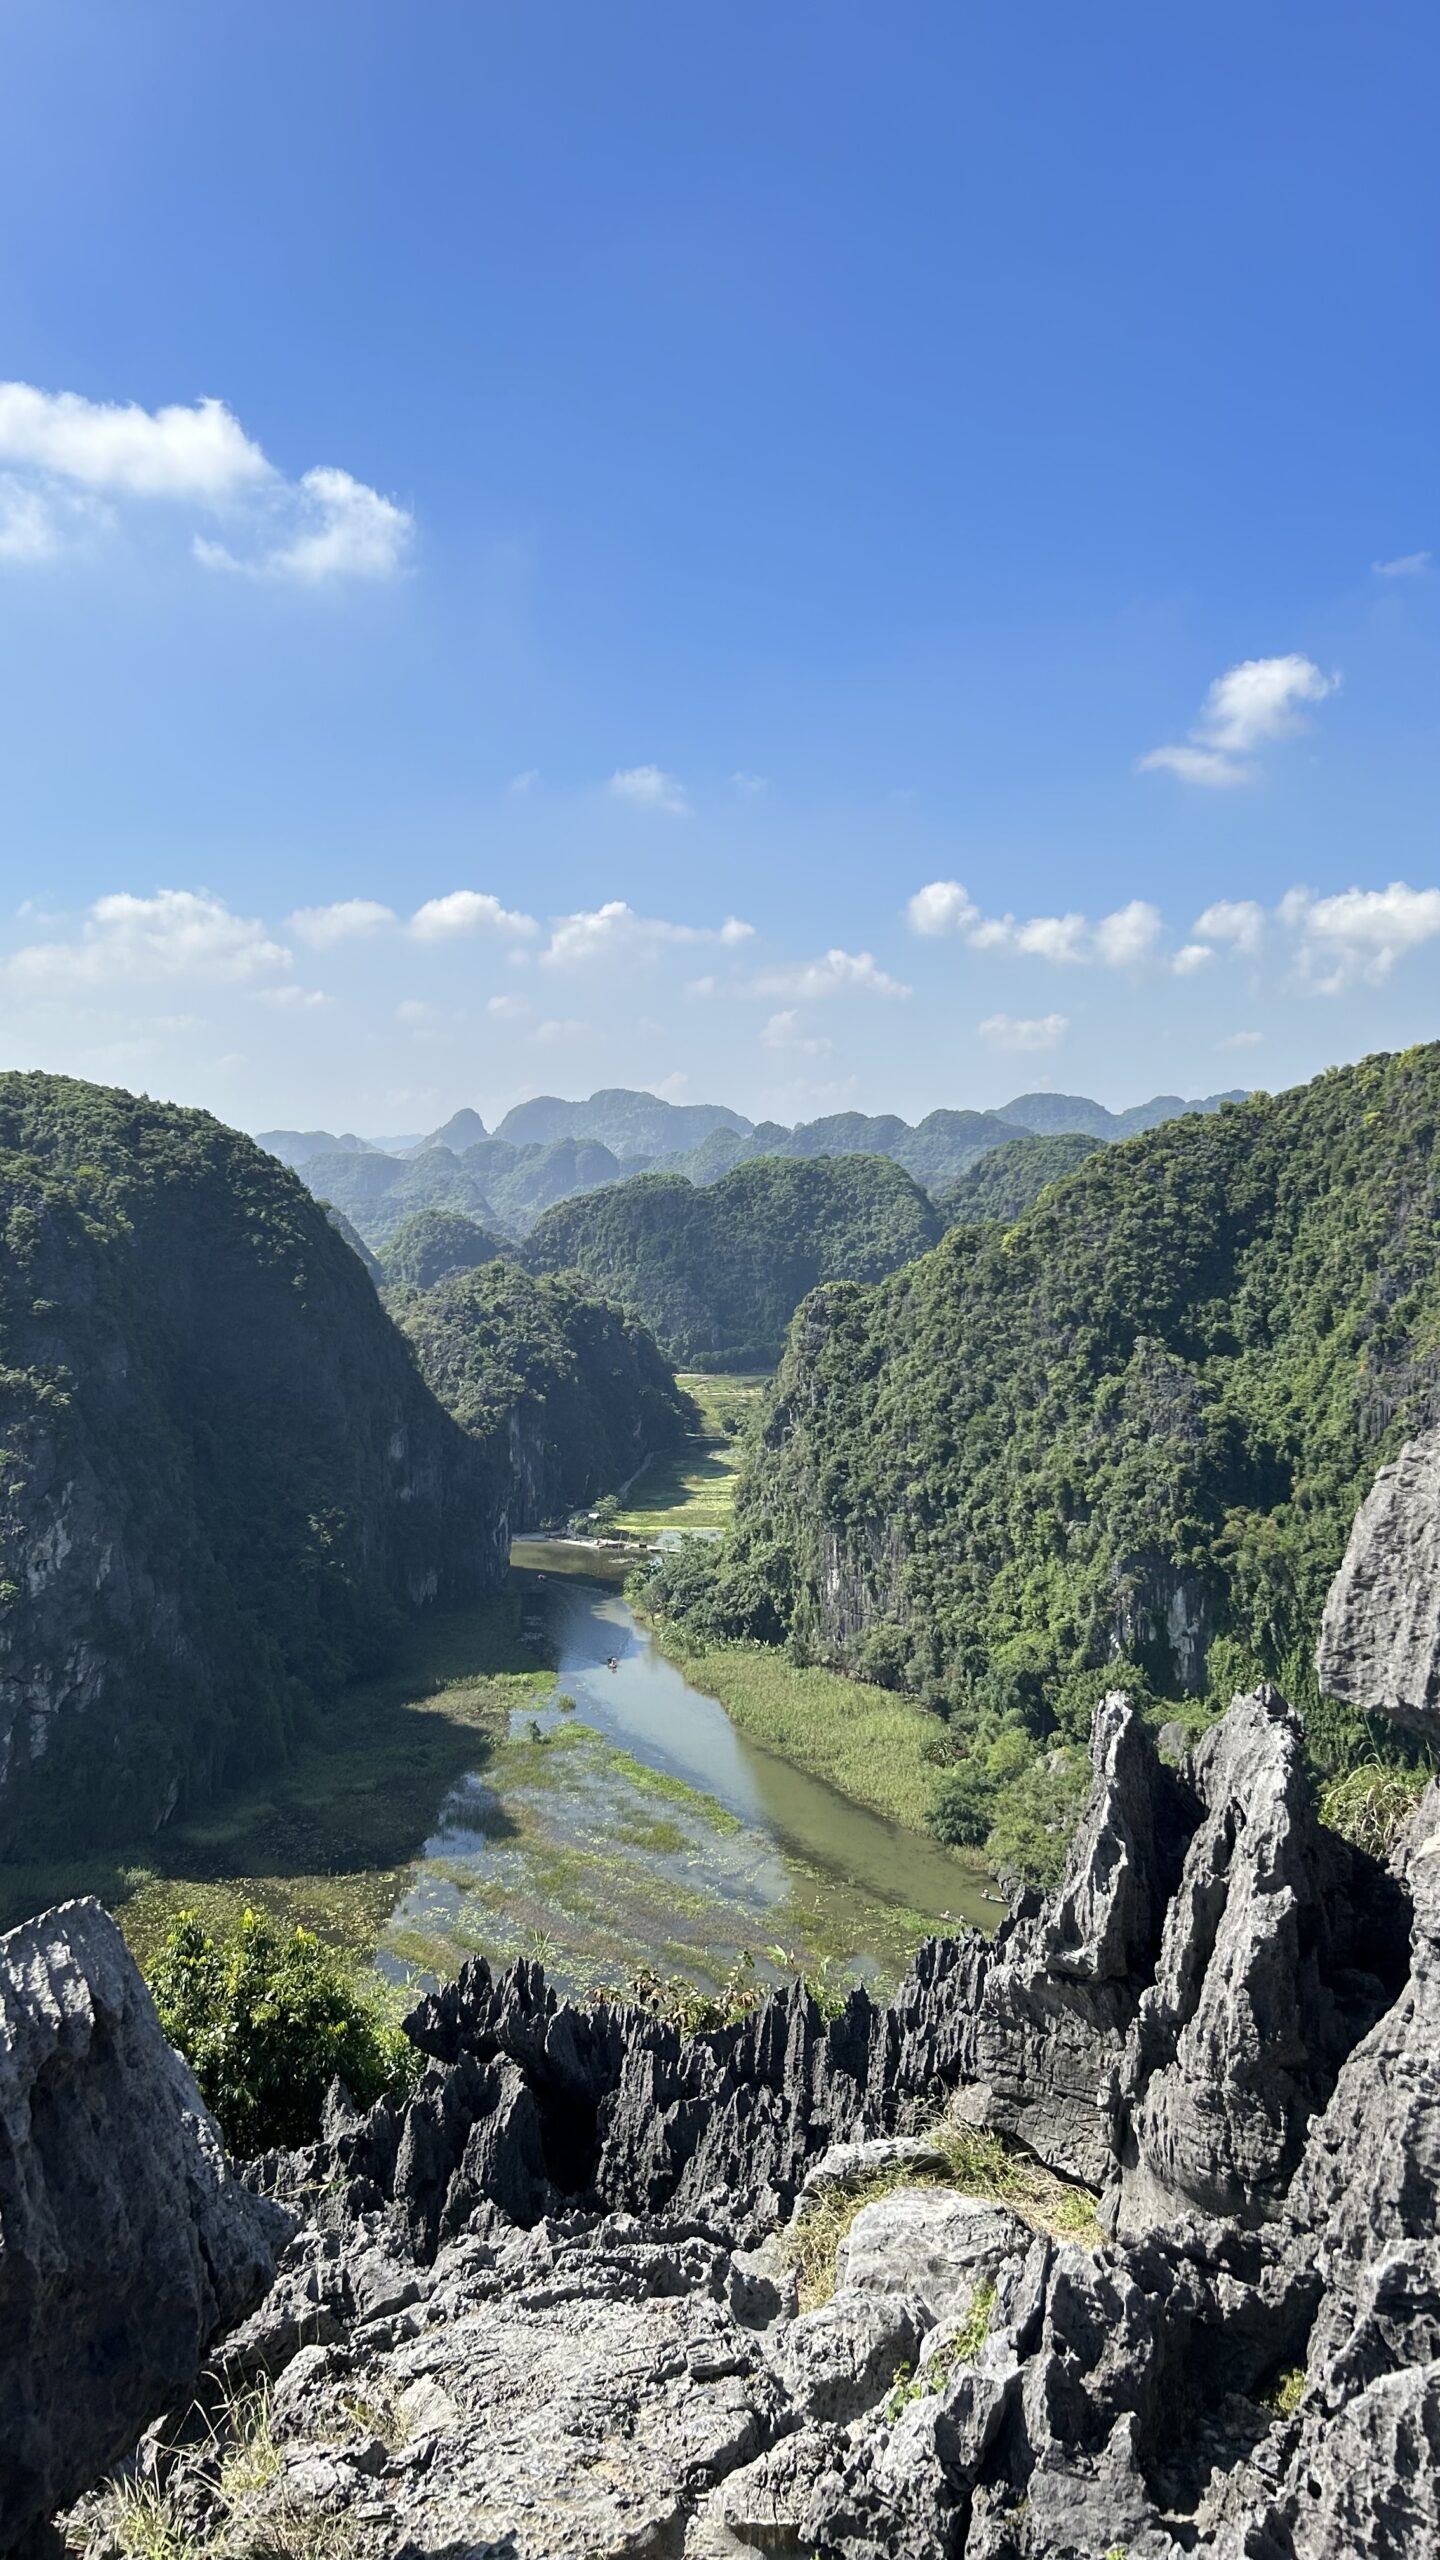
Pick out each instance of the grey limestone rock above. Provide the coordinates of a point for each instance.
(1380, 1634)
(126, 2240)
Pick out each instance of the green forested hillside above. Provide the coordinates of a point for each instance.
(220, 1475)
(430, 1245)
(565, 1392)
(717, 1273)
(1007, 1179)
(1134, 1424)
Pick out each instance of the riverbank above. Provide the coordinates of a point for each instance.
(868, 1743)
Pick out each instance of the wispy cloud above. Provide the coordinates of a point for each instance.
(1241, 1040)
(1250, 706)
(835, 973)
(1411, 564)
(786, 1032)
(347, 920)
(1023, 1035)
(65, 454)
(754, 785)
(615, 932)
(650, 788)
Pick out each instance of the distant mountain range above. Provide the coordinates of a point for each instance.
(548, 1150)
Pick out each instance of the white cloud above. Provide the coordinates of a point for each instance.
(1250, 706)
(1204, 766)
(942, 906)
(1411, 564)
(1241, 1040)
(507, 1008)
(836, 973)
(468, 911)
(343, 922)
(1359, 933)
(1061, 938)
(751, 783)
(342, 530)
(290, 998)
(1118, 941)
(177, 933)
(28, 530)
(615, 932)
(553, 1034)
(784, 1031)
(1240, 921)
(652, 788)
(323, 526)
(1042, 1031)
(161, 453)
(1190, 957)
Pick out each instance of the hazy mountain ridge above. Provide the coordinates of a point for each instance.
(549, 1150)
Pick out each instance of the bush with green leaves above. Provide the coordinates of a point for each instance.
(266, 2019)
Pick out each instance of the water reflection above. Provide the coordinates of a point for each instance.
(630, 1824)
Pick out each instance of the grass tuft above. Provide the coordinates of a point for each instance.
(977, 2164)
(1369, 1804)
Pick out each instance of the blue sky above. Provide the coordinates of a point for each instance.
(948, 489)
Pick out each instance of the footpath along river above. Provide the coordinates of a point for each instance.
(626, 1824)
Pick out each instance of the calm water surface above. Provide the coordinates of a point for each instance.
(636, 1828)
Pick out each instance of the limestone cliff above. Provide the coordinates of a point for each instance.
(220, 1474)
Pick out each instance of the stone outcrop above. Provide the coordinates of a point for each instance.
(545, 2308)
(1380, 1635)
(126, 2240)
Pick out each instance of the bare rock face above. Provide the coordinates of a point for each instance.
(126, 2241)
(1380, 1634)
(1260, 1989)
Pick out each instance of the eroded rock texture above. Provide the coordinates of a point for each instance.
(126, 2240)
(1380, 1635)
(542, 2313)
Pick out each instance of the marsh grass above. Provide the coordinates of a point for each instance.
(868, 1743)
(325, 1842)
(976, 2164)
(693, 1487)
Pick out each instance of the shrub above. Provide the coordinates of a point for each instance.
(266, 2021)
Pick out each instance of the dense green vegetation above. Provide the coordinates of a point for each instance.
(521, 1183)
(629, 1123)
(221, 1479)
(355, 1241)
(1008, 1178)
(431, 1245)
(266, 2020)
(1126, 1433)
(565, 1391)
(718, 1272)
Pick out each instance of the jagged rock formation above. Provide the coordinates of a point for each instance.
(540, 2309)
(1380, 1634)
(126, 2241)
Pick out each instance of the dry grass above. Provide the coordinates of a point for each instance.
(243, 2460)
(976, 2164)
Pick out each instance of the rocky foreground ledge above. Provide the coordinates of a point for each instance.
(541, 2309)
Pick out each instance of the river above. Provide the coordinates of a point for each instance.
(627, 1825)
